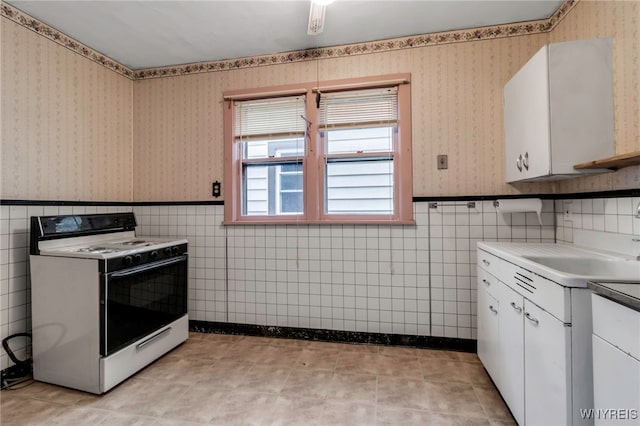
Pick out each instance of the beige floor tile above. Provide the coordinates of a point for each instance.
(437, 354)
(125, 419)
(348, 413)
(407, 366)
(401, 351)
(244, 408)
(403, 392)
(264, 379)
(26, 411)
(235, 380)
(202, 348)
(196, 406)
(141, 397)
(289, 343)
(291, 410)
(453, 371)
(284, 356)
(224, 374)
(50, 393)
(492, 403)
(79, 416)
(353, 388)
(176, 369)
(315, 359)
(391, 416)
(453, 398)
(314, 383)
(357, 362)
(407, 417)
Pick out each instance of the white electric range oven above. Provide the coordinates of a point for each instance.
(105, 303)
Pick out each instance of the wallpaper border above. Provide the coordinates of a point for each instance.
(31, 23)
(424, 40)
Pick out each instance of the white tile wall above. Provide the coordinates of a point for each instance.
(614, 215)
(415, 280)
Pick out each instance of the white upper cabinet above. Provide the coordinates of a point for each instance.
(558, 111)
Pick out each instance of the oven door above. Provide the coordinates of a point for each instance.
(137, 301)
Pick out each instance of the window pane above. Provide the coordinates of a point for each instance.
(290, 147)
(373, 139)
(360, 187)
(291, 202)
(272, 189)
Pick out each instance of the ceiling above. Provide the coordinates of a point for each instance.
(149, 34)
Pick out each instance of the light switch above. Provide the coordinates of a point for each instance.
(443, 162)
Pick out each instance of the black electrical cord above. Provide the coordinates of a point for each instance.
(22, 367)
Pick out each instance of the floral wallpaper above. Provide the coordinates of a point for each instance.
(75, 123)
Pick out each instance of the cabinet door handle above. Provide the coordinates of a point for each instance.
(525, 160)
(517, 308)
(486, 282)
(492, 309)
(532, 319)
(519, 162)
(486, 262)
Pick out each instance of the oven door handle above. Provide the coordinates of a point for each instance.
(147, 267)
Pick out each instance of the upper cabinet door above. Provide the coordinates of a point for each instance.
(526, 120)
(558, 111)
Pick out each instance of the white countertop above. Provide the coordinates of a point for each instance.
(517, 254)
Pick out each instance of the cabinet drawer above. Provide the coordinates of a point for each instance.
(617, 324)
(488, 282)
(490, 263)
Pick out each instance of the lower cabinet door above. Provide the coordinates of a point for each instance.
(616, 385)
(512, 351)
(488, 334)
(547, 374)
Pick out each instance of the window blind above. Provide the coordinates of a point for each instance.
(359, 108)
(266, 118)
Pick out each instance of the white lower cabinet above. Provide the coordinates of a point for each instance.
(616, 363)
(547, 368)
(536, 356)
(511, 348)
(488, 328)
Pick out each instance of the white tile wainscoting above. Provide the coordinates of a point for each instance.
(412, 280)
(614, 215)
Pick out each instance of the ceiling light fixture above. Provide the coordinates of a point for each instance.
(316, 16)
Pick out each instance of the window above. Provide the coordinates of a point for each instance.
(334, 152)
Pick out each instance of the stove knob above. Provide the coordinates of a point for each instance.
(153, 254)
(174, 250)
(137, 258)
(167, 251)
(127, 260)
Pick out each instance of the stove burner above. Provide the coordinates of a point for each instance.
(99, 250)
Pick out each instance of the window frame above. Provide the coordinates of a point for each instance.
(313, 162)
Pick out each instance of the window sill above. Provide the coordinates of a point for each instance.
(321, 222)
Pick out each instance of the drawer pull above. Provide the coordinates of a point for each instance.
(492, 309)
(486, 262)
(532, 319)
(486, 282)
(517, 308)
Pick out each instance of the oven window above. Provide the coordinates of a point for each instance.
(141, 300)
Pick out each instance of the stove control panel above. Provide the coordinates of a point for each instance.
(141, 258)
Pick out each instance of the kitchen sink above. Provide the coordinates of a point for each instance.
(601, 266)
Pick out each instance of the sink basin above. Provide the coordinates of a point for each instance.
(612, 267)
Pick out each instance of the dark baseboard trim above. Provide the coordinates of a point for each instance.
(421, 199)
(430, 342)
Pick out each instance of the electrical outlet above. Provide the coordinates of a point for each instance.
(443, 162)
(568, 211)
